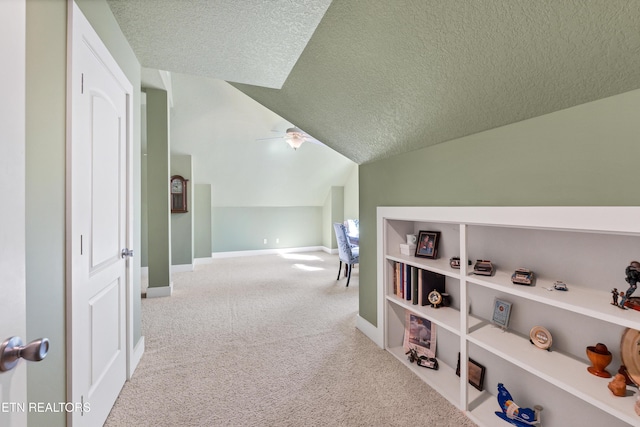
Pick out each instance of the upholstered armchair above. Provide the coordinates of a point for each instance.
(347, 253)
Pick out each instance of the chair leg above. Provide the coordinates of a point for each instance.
(346, 269)
(349, 278)
(339, 270)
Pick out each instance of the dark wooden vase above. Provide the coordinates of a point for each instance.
(600, 357)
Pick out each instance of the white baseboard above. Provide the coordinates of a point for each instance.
(181, 268)
(144, 271)
(374, 333)
(233, 254)
(330, 251)
(138, 351)
(160, 291)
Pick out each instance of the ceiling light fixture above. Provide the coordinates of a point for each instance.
(295, 137)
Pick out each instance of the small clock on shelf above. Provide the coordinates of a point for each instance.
(178, 194)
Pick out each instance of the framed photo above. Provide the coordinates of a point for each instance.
(475, 373)
(427, 244)
(420, 335)
(501, 313)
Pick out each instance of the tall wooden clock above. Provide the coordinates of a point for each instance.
(178, 194)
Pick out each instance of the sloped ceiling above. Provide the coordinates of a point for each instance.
(237, 145)
(246, 41)
(381, 77)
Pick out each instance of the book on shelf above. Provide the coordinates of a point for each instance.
(431, 281)
(414, 284)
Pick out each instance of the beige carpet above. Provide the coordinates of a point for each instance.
(269, 341)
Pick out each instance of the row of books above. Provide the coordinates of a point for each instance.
(414, 284)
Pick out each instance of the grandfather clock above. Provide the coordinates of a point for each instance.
(178, 194)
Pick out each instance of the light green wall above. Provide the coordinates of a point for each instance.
(182, 223)
(144, 237)
(586, 155)
(242, 229)
(332, 211)
(45, 185)
(326, 222)
(202, 221)
(45, 201)
(352, 195)
(337, 211)
(158, 211)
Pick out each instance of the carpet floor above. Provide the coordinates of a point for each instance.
(269, 341)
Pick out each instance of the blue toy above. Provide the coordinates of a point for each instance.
(512, 413)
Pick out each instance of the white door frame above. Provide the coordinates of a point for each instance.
(132, 356)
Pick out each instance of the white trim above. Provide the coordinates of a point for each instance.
(374, 333)
(160, 291)
(233, 254)
(136, 356)
(144, 271)
(198, 261)
(181, 268)
(330, 251)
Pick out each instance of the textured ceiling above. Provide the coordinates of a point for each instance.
(381, 77)
(248, 41)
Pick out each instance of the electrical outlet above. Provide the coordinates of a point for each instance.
(264, 241)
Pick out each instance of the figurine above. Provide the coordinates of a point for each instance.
(633, 277)
(559, 285)
(483, 267)
(512, 413)
(614, 292)
(424, 361)
(522, 276)
(618, 385)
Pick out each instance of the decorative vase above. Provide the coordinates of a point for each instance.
(600, 357)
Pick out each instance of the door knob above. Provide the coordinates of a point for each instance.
(12, 350)
(126, 252)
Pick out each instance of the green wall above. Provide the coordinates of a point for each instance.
(585, 155)
(45, 201)
(202, 221)
(243, 229)
(332, 211)
(351, 196)
(157, 186)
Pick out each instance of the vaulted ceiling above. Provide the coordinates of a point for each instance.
(372, 78)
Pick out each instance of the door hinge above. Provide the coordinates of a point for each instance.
(82, 83)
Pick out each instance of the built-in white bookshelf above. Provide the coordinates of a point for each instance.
(588, 248)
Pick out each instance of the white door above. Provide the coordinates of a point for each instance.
(13, 384)
(98, 230)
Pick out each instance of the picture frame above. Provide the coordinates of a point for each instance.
(475, 373)
(501, 313)
(420, 334)
(427, 244)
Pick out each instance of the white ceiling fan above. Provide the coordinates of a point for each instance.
(294, 136)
